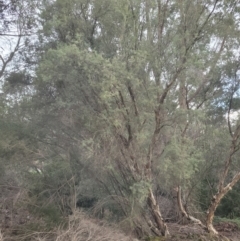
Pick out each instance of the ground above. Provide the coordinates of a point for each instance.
(191, 232)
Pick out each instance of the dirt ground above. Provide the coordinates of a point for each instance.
(191, 232)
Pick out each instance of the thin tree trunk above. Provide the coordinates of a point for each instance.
(215, 202)
(184, 212)
(159, 222)
(222, 191)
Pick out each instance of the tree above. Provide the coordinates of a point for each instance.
(133, 83)
(223, 187)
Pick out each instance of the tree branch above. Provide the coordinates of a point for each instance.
(9, 58)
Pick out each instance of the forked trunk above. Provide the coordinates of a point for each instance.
(159, 226)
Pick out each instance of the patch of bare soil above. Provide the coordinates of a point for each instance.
(229, 230)
(192, 232)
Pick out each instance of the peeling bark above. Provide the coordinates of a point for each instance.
(184, 212)
(223, 190)
(159, 222)
(216, 200)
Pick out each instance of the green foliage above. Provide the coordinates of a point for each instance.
(140, 191)
(51, 215)
(155, 239)
(236, 221)
(181, 161)
(117, 76)
(53, 184)
(236, 103)
(126, 96)
(229, 206)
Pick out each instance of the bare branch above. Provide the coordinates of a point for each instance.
(228, 116)
(10, 57)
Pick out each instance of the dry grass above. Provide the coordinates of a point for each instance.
(17, 223)
(81, 228)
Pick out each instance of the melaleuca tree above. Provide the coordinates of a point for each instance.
(129, 84)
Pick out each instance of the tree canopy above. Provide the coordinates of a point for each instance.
(121, 103)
